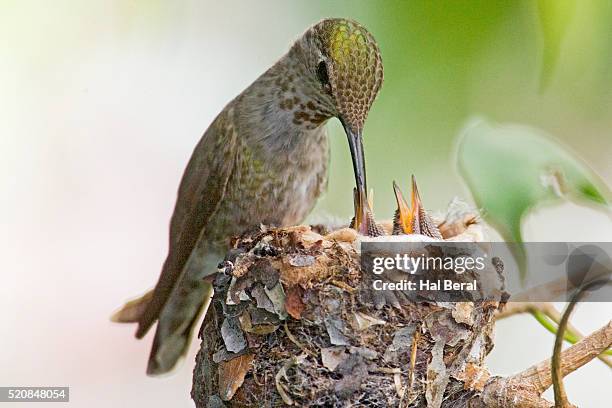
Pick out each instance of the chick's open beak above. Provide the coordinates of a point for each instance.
(413, 219)
(408, 217)
(402, 224)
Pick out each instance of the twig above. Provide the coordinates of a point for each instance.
(572, 358)
(524, 389)
(561, 400)
(413, 355)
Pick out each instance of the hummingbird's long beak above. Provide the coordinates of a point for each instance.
(361, 205)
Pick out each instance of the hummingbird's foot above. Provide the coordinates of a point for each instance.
(412, 219)
(363, 221)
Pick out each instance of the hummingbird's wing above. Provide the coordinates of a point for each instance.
(201, 190)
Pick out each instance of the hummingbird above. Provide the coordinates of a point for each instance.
(263, 160)
(412, 219)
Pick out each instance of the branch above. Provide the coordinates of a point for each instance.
(524, 389)
(571, 359)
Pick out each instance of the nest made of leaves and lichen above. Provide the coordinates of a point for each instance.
(291, 324)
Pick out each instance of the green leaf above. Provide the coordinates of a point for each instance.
(555, 16)
(511, 169)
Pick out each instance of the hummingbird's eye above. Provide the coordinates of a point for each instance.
(322, 73)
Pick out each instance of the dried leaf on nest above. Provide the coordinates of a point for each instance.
(293, 302)
(277, 297)
(402, 339)
(232, 334)
(232, 373)
(335, 330)
(263, 317)
(362, 321)
(462, 313)
(437, 377)
(401, 343)
(258, 293)
(331, 357)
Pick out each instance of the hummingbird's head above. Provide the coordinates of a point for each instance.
(346, 62)
(345, 73)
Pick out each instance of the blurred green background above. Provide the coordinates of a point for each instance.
(446, 61)
(102, 102)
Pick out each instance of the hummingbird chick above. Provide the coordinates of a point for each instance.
(412, 219)
(365, 218)
(263, 160)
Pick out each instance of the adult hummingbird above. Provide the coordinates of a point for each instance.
(263, 160)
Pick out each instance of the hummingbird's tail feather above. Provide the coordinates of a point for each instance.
(163, 289)
(132, 311)
(176, 324)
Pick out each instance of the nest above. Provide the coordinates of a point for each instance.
(293, 323)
